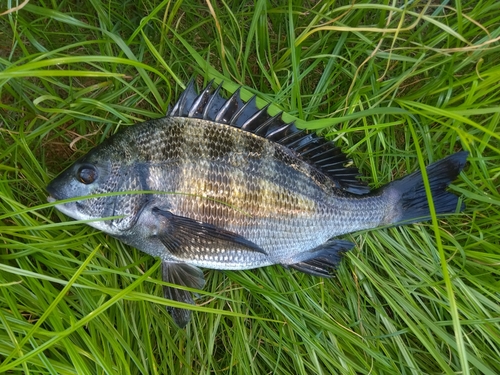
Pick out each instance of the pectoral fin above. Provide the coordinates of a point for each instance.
(181, 235)
(185, 275)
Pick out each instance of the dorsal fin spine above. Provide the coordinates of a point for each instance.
(262, 129)
(178, 109)
(247, 111)
(198, 103)
(231, 102)
(211, 102)
(274, 132)
(251, 124)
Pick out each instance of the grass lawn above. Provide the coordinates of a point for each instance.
(396, 84)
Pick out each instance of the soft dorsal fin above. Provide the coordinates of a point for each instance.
(314, 150)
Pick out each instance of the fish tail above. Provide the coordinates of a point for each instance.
(410, 191)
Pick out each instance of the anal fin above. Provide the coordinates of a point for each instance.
(322, 260)
(185, 275)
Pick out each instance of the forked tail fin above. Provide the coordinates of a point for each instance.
(410, 190)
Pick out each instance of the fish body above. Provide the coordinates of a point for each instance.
(222, 184)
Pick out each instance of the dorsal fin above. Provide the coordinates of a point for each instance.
(314, 150)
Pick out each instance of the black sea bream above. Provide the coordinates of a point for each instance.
(222, 184)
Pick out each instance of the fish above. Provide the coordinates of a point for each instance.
(219, 183)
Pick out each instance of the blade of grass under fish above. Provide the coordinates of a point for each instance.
(7, 364)
(442, 257)
(52, 306)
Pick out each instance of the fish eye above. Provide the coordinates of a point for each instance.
(86, 174)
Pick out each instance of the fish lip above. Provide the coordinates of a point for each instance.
(53, 196)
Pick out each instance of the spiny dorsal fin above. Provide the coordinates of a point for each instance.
(314, 150)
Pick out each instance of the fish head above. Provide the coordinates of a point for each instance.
(96, 173)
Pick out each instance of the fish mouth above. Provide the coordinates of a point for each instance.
(65, 208)
(53, 196)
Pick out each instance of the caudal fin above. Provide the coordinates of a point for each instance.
(413, 205)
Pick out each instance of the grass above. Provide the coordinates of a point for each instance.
(396, 84)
